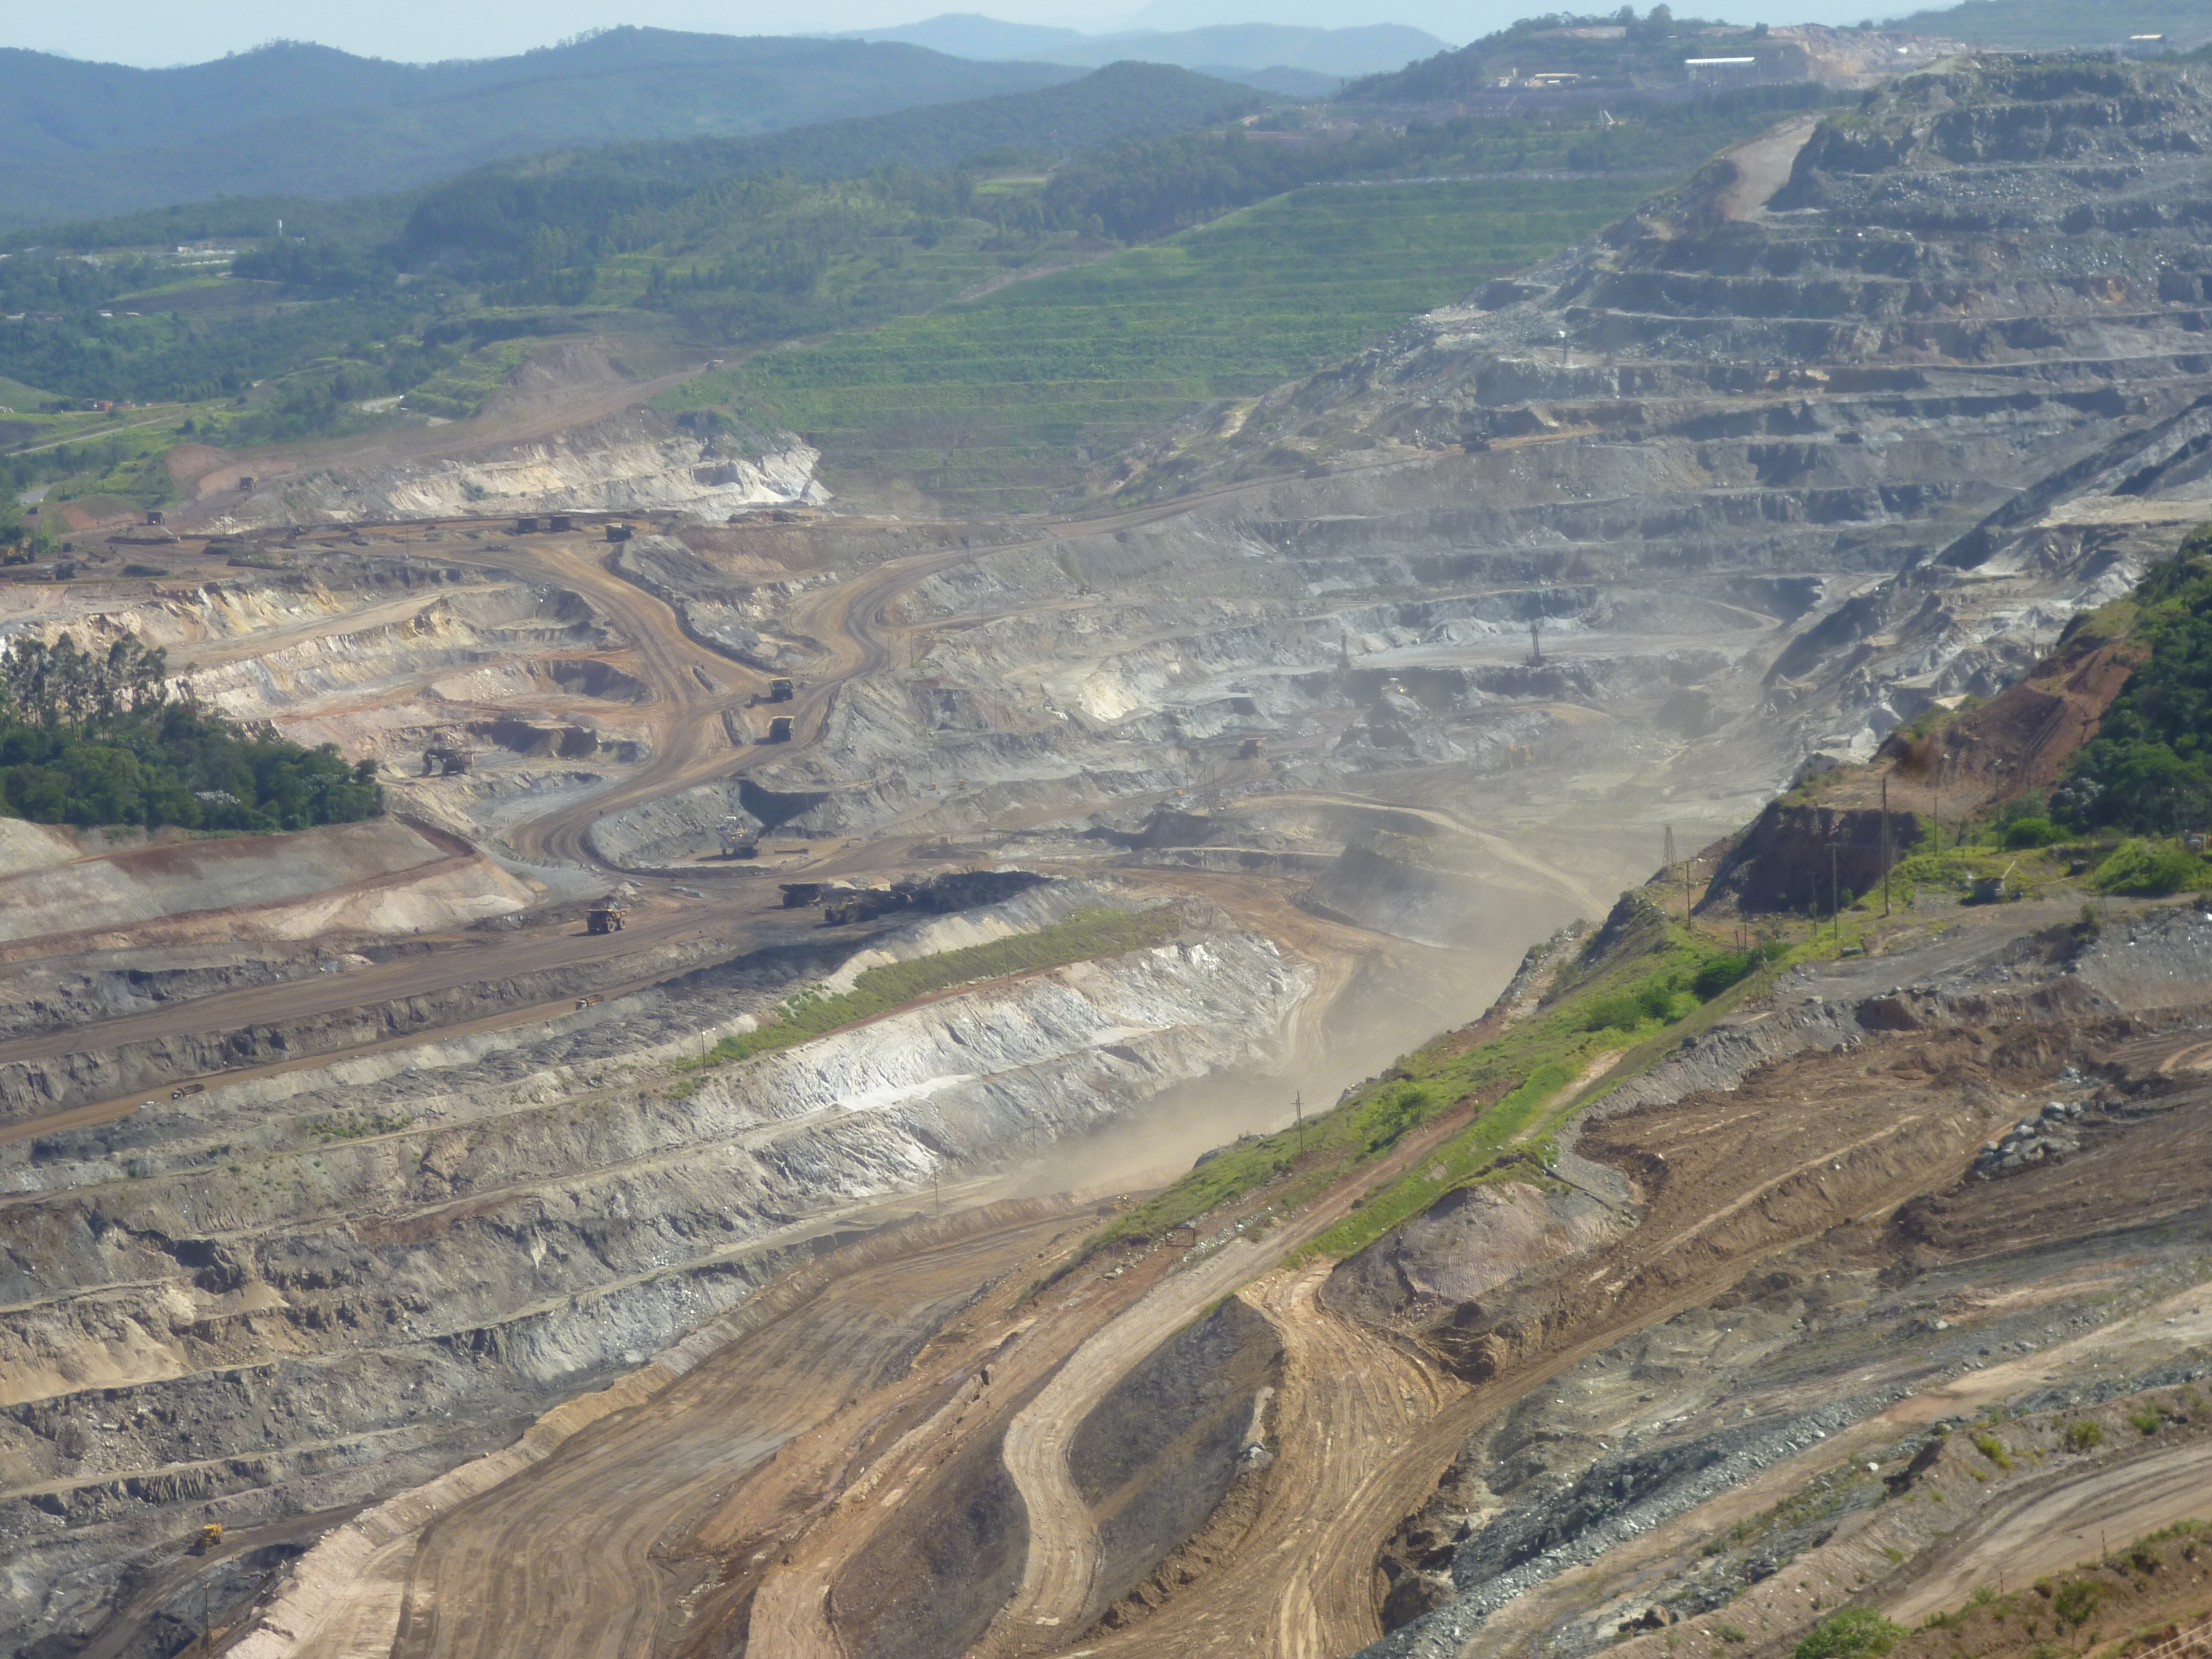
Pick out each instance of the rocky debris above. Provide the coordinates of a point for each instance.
(634, 462)
(2045, 1139)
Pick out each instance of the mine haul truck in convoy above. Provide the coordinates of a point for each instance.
(778, 729)
(604, 919)
(779, 690)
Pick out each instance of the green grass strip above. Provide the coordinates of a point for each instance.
(1093, 931)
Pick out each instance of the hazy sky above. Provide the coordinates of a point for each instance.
(158, 32)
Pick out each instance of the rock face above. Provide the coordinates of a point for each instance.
(309, 1292)
(1952, 366)
(634, 462)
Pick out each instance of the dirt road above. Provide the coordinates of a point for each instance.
(564, 1561)
(2062, 1522)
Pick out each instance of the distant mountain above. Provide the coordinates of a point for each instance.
(1282, 81)
(971, 34)
(79, 141)
(2045, 24)
(1231, 51)
(1369, 50)
(1122, 100)
(1452, 20)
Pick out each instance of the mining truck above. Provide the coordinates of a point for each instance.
(779, 690)
(210, 1538)
(740, 839)
(604, 919)
(448, 759)
(778, 729)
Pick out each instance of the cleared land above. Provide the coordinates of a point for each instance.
(1001, 404)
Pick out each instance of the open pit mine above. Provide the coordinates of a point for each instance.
(709, 1170)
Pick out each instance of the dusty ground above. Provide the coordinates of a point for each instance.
(447, 1181)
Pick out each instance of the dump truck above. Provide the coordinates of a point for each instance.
(740, 839)
(778, 729)
(447, 759)
(210, 1538)
(604, 919)
(617, 532)
(525, 526)
(179, 1092)
(779, 691)
(560, 523)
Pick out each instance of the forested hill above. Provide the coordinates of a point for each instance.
(2049, 24)
(1121, 101)
(80, 140)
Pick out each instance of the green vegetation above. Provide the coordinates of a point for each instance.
(2083, 1435)
(1516, 1085)
(1093, 932)
(2044, 24)
(305, 120)
(1646, 50)
(1852, 1634)
(2075, 1600)
(1993, 1448)
(2150, 768)
(1005, 401)
(1002, 403)
(2139, 868)
(87, 737)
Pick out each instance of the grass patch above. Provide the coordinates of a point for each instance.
(1096, 931)
(1636, 979)
(1002, 403)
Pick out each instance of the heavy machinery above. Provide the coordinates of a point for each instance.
(447, 759)
(604, 919)
(779, 690)
(617, 532)
(778, 729)
(740, 838)
(210, 1538)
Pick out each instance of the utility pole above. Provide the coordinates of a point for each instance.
(1835, 897)
(1298, 1105)
(1885, 843)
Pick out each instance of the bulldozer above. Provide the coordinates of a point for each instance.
(210, 1538)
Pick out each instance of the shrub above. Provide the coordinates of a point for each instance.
(1993, 1448)
(1850, 1634)
(2076, 1599)
(2147, 1420)
(2139, 868)
(1722, 972)
(2032, 832)
(2083, 1434)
